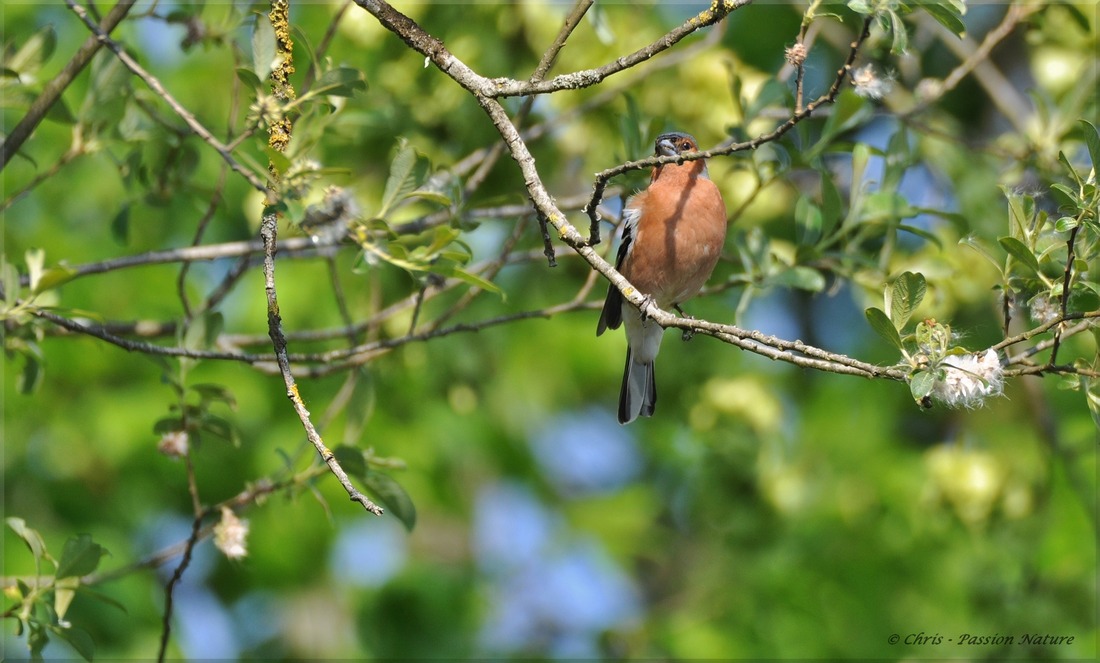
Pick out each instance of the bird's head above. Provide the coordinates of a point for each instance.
(674, 143)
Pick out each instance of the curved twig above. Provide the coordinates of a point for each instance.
(799, 115)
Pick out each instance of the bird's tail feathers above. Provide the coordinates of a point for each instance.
(638, 395)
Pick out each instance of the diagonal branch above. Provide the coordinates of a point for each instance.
(546, 208)
(155, 85)
(52, 92)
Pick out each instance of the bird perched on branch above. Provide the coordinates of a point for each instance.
(672, 235)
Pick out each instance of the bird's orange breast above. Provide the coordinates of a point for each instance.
(679, 236)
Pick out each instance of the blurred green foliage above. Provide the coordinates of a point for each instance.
(769, 511)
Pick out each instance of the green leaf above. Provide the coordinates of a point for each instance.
(63, 595)
(87, 591)
(771, 93)
(168, 425)
(1064, 160)
(899, 156)
(861, 155)
(9, 277)
(393, 497)
(31, 375)
(1019, 250)
(249, 78)
(340, 82)
(862, 7)
(886, 206)
(832, 206)
(476, 281)
(1092, 142)
(54, 277)
(430, 196)
(120, 225)
(1065, 224)
(107, 91)
(80, 556)
(808, 222)
(204, 331)
(37, 639)
(947, 12)
(1094, 287)
(220, 427)
(973, 243)
(36, 261)
(882, 325)
(351, 459)
(214, 392)
(264, 57)
(34, 52)
(1016, 210)
(1092, 398)
(59, 112)
(31, 537)
(900, 34)
(1064, 195)
(601, 25)
(906, 294)
(922, 233)
(801, 277)
(921, 384)
(78, 639)
(402, 177)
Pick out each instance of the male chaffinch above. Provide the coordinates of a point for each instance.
(672, 235)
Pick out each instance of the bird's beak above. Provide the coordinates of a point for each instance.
(666, 148)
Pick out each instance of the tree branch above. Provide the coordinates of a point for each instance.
(197, 128)
(52, 92)
(827, 98)
(268, 231)
(490, 88)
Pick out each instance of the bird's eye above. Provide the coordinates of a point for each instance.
(685, 146)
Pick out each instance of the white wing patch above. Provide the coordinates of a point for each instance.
(630, 234)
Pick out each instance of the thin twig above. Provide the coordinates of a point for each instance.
(231, 278)
(200, 230)
(1042, 346)
(1066, 279)
(827, 98)
(975, 59)
(322, 46)
(268, 231)
(488, 273)
(147, 348)
(185, 561)
(341, 299)
(1031, 333)
(295, 246)
(71, 154)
